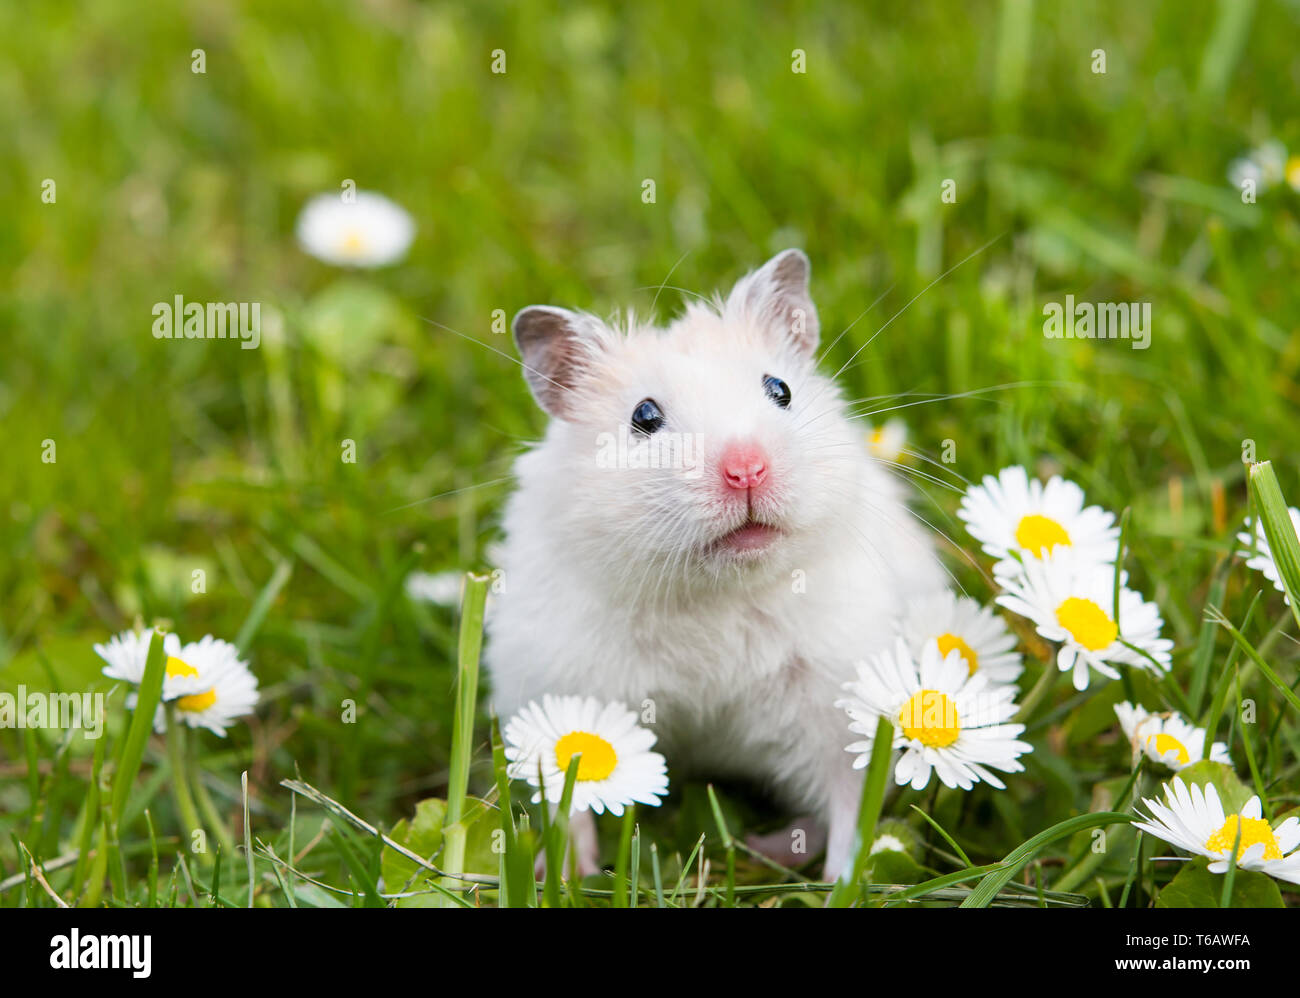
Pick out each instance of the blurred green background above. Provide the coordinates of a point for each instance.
(526, 186)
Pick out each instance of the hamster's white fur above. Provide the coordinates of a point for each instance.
(616, 584)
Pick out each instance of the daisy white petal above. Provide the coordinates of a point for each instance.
(1072, 601)
(1259, 555)
(615, 767)
(368, 230)
(1167, 738)
(1015, 517)
(957, 622)
(946, 721)
(1195, 821)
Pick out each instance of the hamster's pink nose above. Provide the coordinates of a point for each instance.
(744, 465)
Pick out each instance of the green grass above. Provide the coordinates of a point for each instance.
(526, 187)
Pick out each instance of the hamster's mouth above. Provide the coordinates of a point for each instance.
(750, 538)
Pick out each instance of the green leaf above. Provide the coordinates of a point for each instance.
(1196, 887)
(889, 866)
(423, 835)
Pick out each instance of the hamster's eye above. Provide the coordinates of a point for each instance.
(647, 416)
(777, 390)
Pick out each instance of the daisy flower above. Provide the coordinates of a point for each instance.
(1260, 556)
(1265, 165)
(1073, 603)
(1167, 738)
(887, 843)
(615, 767)
(958, 622)
(227, 689)
(1014, 515)
(1194, 820)
(945, 719)
(126, 654)
(206, 681)
(886, 442)
(369, 231)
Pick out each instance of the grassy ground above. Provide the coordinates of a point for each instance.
(527, 187)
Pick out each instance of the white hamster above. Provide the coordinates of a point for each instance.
(729, 589)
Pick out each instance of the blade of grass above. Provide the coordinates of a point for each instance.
(1288, 694)
(622, 887)
(1016, 860)
(1278, 529)
(946, 837)
(727, 844)
(848, 887)
(1203, 654)
(137, 736)
(454, 831)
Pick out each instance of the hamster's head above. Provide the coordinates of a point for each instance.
(708, 448)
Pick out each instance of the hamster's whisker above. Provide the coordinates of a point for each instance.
(501, 353)
(894, 466)
(659, 290)
(453, 492)
(921, 519)
(912, 301)
(881, 297)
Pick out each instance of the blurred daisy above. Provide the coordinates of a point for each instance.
(1073, 603)
(886, 442)
(207, 683)
(226, 689)
(945, 719)
(1012, 514)
(126, 654)
(1260, 558)
(1265, 166)
(887, 843)
(615, 766)
(441, 588)
(893, 835)
(960, 623)
(368, 231)
(1194, 820)
(1167, 738)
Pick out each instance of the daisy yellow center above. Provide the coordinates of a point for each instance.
(179, 667)
(1039, 534)
(931, 718)
(1087, 623)
(197, 701)
(1254, 831)
(598, 757)
(950, 642)
(1168, 743)
(877, 436)
(1293, 172)
(353, 243)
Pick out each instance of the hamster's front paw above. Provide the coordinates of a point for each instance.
(583, 845)
(791, 846)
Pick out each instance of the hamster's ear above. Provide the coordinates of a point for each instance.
(554, 349)
(776, 297)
